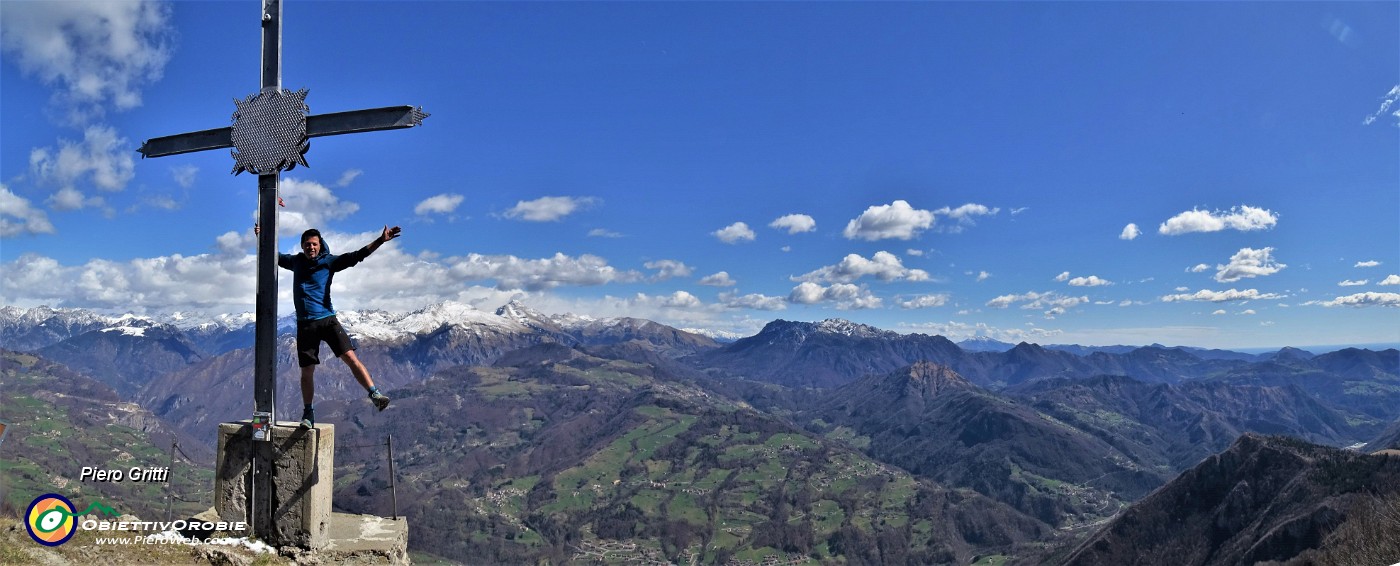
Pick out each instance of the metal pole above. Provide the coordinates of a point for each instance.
(265, 330)
(169, 495)
(393, 488)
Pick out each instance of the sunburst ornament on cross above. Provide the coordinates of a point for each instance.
(269, 132)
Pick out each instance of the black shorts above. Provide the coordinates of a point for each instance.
(310, 334)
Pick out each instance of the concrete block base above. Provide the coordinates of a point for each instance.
(291, 498)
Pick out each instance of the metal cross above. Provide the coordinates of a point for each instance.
(270, 134)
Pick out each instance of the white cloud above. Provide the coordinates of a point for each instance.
(309, 205)
(198, 282)
(1199, 268)
(548, 209)
(1054, 304)
(18, 217)
(794, 223)
(1130, 232)
(680, 300)
(603, 233)
(1391, 279)
(102, 159)
(1365, 300)
(1062, 277)
(1248, 262)
(1016, 211)
(445, 203)
(896, 220)
(1248, 312)
(1243, 218)
(348, 177)
(94, 54)
(734, 233)
(1219, 312)
(923, 301)
(511, 272)
(1221, 296)
(914, 252)
(752, 301)
(184, 175)
(960, 330)
(720, 279)
(69, 198)
(883, 265)
(1182, 289)
(844, 295)
(1350, 283)
(1090, 281)
(1386, 102)
(668, 268)
(983, 276)
(963, 215)
(1371, 263)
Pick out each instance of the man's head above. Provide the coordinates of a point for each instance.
(312, 245)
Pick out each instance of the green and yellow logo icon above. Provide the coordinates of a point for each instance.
(51, 520)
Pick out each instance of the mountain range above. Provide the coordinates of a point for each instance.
(526, 437)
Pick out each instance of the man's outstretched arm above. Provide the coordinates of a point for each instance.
(357, 256)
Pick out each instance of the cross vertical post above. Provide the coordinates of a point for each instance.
(265, 331)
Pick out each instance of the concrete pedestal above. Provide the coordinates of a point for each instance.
(291, 498)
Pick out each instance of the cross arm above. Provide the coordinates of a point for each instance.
(332, 124)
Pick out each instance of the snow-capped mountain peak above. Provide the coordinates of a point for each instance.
(853, 329)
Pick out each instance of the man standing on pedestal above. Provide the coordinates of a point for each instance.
(312, 272)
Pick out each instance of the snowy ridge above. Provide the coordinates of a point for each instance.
(856, 330)
(381, 325)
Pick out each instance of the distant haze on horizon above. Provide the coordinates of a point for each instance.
(1215, 175)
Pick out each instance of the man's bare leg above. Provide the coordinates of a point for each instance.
(362, 375)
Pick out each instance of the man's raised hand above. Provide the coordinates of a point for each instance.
(389, 233)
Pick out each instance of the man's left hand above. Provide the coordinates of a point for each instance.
(389, 233)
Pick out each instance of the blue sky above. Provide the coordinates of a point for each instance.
(1209, 174)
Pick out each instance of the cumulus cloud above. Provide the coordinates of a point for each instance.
(752, 301)
(1130, 232)
(720, 279)
(1199, 268)
(1054, 304)
(1350, 283)
(18, 217)
(896, 220)
(983, 276)
(1219, 312)
(923, 301)
(668, 268)
(511, 272)
(1242, 218)
(1371, 263)
(845, 295)
(1248, 262)
(309, 205)
(603, 233)
(1221, 296)
(1391, 279)
(191, 282)
(794, 223)
(102, 159)
(680, 300)
(734, 233)
(914, 252)
(1062, 277)
(1090, 281)
(960, 330)
(1365, 300)
(883, 265)
(548, 209)
(445, 203)
(962, 216)
(94, 54)
(1386, 102)
(1248, 312)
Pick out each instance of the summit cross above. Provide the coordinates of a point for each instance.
(270, 134)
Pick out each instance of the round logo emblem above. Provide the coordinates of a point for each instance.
(50, 520)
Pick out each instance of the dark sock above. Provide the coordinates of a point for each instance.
(373, 390)
(307, 411)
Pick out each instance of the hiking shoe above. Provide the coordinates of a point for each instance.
(308, 420)
(379, 399)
